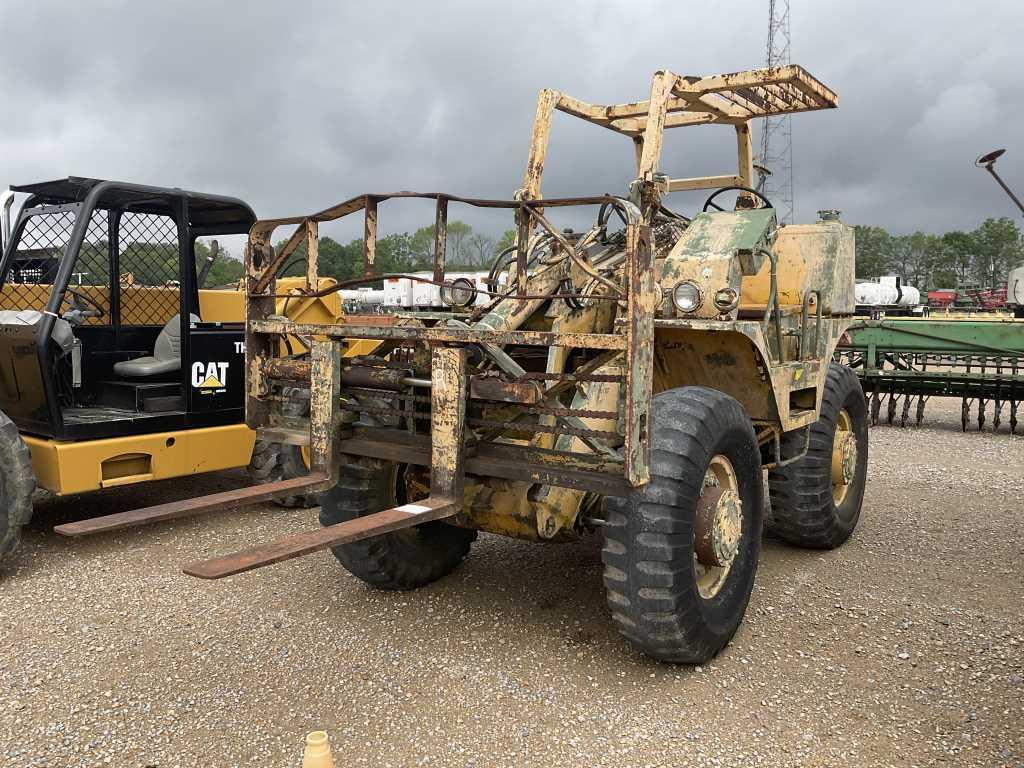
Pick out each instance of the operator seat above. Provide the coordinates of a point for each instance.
(166, 355)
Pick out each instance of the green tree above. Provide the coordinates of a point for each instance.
(959, 250)
(481, 249)
(507, 240)
(457, 243)
(339, 261)
(874, 251)
(923, 255)
(394, 254)
(457, 252)
(998, 249)
(226, 270)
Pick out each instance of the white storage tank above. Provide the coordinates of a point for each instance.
(426, 295)
(909, 296)
(1015, 287)
(398, 292)
(412, 294)
(875, 294)
(906, 295)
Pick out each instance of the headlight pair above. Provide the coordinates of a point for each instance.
(688, 298)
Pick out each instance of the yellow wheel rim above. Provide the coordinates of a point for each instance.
(844, 457)
(722, 521)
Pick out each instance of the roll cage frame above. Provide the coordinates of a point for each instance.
(195, 215)
(675, 101)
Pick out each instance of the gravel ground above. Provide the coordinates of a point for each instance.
(903, 648)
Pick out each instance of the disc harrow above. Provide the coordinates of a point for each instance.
(903, 363)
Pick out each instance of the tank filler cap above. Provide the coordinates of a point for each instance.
(829, 214)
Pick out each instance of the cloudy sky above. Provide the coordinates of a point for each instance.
(294, 106)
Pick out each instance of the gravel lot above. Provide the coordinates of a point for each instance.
(903, 648)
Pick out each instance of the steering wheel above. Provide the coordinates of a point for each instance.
(710, 202)
(81, 299)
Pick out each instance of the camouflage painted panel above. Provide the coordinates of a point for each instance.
(713, 254)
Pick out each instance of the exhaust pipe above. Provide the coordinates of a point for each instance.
(6, 201)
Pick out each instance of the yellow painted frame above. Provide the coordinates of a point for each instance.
(90, 465)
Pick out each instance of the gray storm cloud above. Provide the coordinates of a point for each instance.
(297, 106)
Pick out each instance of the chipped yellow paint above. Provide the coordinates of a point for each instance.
(811, 257)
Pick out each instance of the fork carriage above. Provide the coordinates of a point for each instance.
(651, 360)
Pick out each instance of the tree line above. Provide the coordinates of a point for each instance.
(465, 250)
(146, 263)
(979, 258)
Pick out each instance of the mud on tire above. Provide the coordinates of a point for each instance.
(404, 559)
(655, 584)
(807, 510)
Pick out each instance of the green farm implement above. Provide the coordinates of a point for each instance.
(904, 362)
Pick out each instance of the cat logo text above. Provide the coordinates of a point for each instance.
(210, 378)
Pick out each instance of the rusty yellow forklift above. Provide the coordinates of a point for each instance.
(635, 376)
(116, 366)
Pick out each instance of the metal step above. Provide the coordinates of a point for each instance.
(405, 516)
(217, 502)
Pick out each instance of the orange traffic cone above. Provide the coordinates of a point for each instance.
(318, 751)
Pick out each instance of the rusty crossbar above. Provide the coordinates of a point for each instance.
(217, 502)
(343, 330)
(271, 263)
(585, 472)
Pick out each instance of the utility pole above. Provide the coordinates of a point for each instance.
(776, 132)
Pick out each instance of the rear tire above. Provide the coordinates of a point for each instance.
(658, 590)
(808, 510)
(17, 484)
(272, 462)
(404, 559)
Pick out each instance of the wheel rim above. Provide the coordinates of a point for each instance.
(407, 485)
(718, 527)
(844, 457)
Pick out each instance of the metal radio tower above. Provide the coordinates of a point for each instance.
(776, 132)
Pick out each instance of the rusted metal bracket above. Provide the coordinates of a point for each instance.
(304, 543)
(325, 414)
(643, 298)
(217, 502)
(448, 421)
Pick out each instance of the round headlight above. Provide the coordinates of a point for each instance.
(726, 299)
(687, 296)
(460, 292)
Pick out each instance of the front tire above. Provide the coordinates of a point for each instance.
(816, 501)
(665, 596)
(17, 483)
(272, 462)
(404, 559)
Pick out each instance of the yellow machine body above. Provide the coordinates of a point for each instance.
(91, 465)
(67, 467)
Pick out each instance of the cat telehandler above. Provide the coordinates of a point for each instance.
(116, 365)
(634, 377)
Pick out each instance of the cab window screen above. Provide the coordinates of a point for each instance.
(40, 249)
(149, 276)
